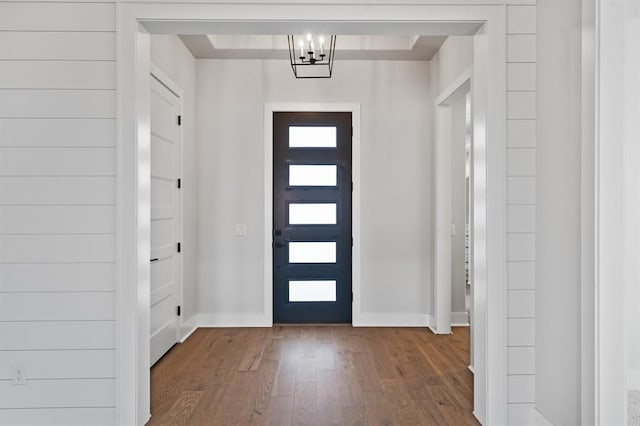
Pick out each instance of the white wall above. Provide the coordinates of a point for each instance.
(174, 59)
(57, 212)
(558, 213)
(397, 174)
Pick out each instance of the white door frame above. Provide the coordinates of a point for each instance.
(443, 210)
(269, 109)
(202, 16)
(610, 122)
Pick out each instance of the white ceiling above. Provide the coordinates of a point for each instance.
(354, 47)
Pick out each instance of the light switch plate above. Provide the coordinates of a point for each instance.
(241, 229)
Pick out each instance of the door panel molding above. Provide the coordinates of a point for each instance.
(167, 332)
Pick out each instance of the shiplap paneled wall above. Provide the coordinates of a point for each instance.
(57, 212)
(521, 200)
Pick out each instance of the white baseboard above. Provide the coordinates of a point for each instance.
(433, 329)
(539, 419)
(260, 320)
(188, 327)
(392, 320)
(233, 320)
(633, 380)
(459, 319)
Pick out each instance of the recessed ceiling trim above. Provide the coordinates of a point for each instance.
(274, 47)
(316, 27)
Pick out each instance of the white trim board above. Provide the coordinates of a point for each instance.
(617, 201)
(458, 83)
(132, 159)
(459, 319)
(188, 327)
(354, 109)
(393, 319)
(442, 207)
(224, 320)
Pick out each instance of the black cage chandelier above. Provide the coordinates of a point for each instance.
(309, 62)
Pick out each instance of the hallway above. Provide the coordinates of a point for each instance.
(315, 375)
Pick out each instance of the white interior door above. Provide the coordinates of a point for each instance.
(165, 216)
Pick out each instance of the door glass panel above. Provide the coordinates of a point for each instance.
(312, 291)
(312, 252)
(312, 214)
(313, 175)
(312, 137)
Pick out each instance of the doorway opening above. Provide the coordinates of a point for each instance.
(139, 19)
(453, 289)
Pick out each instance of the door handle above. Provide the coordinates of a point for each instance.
(154, 259)
(280, 245)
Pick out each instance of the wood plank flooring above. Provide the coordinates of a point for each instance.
(314, 375)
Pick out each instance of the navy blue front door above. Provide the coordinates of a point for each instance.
(312, 217)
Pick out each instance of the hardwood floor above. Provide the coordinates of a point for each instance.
(314, 375)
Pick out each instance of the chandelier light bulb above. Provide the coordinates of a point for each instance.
(309, 41)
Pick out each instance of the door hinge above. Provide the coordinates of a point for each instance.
(178, 310)
(351, 297)
(179, 247)
(351, 241)
(351, 130)
(351, 186)
(179, 120)
(179, 183)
